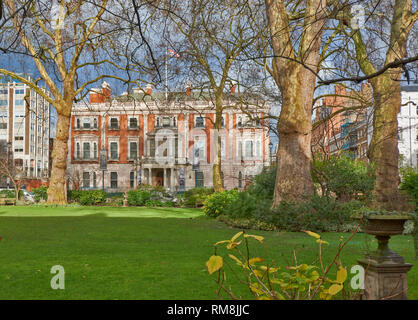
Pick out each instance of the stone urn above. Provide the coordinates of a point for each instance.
(383, 226)
(125, 199)
(385, 270)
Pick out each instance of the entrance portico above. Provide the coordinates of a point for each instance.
(161, 177)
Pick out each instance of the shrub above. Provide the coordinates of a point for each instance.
(40, 193)
(87, 197)
(138, 197)
(217, 203)
(346, 177)
(92, 197)
(317, 214)
(256, 201)
(9, 193)
(195, 197)
(409, 183)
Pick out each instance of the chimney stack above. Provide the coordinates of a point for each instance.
(148, 89)
(100, 95)
(233, 87)
(188, 88)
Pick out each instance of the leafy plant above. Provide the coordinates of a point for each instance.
(40, 193)
(409, 183)
(138, 197)
(267, 282)
(196, 196)
(92, 197)
(344, 176)
(217, 203)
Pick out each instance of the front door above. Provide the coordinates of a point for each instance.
(159, 179)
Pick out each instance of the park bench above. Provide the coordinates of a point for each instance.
(6, 201)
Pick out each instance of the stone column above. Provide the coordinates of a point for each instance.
(172, 186)
(165, 178)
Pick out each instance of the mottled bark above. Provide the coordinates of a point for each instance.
(217, 163)
(383, 150)
(294, 72)
(57, 190)
(293, 179)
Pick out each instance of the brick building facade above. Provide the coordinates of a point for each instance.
(148, 140)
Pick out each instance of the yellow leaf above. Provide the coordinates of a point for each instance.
(232, 245)
(255, 260)
(258, 273)
(322, 241)
(223, 241)
(334, 289)
(325, 296)
(254, 287)
(238, 261)
(258, 238)
(312, 234)
(271, 269)
(214, 264)
(341, 275)
(236, 236)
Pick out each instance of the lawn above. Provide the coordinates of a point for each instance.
(138, 253)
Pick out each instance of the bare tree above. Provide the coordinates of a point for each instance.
(380, 49)
(73, 44)
(9, 168)
(210, 36)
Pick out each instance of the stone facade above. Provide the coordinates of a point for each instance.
(170, 143)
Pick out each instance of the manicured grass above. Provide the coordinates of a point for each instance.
(139, 253)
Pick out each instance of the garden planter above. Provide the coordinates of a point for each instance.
(385, 270)
(383, 226)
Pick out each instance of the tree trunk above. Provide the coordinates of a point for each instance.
(217, 163)
(56, 190)
(293, 179)
(383, 150)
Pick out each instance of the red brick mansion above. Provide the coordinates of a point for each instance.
(159, 139)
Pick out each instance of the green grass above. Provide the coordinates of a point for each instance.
(139, 253)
